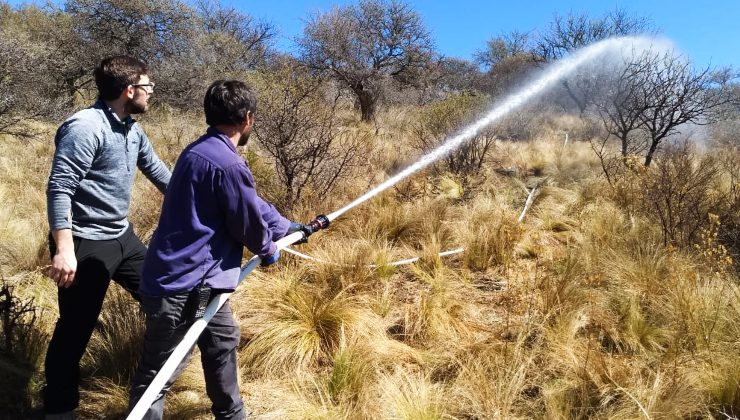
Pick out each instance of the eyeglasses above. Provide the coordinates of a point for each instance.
(148, 87)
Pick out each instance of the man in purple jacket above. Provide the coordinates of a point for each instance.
(211, 211)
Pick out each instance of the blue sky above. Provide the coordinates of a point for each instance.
(707, 31)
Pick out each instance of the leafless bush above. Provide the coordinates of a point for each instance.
(677, 193)
(186, 47)
(24, 87)
(221, 42)
(21, 348)
(654, 96)
(680, 193)
(443, 119)
(18, 317)
(508, 59)
(296, 126)
(573, 31)
(728, 159)
(521, 125)
(144, 28)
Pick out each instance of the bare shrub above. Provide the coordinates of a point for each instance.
(219, 42)
(22, 343)
(459, 75)
(296, 126)
(186, 46)
(728, 232)
(443, 119)
(17, 318)
(654, 96)
(508, 59)
(676, 194)
(680, 194)
(25, 92)
(573, 31)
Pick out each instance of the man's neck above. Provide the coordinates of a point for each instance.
(118, 107)
(232, 132)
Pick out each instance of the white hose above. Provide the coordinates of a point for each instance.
(191, 336)
(392, 264)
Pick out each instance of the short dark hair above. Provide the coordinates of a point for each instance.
(114, 74)
(227, 102)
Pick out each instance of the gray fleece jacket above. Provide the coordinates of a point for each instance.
(93, 171)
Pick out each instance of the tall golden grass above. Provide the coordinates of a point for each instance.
(579, 311)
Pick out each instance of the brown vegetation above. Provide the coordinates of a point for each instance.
(590, 307)
(617, 296)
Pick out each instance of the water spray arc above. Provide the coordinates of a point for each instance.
(556, 72)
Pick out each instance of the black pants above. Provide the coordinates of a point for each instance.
(167, 321)
(79, 306)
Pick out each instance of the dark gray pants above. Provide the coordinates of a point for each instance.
(166, 325)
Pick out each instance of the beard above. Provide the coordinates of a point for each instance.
(137, 105)
(243, 140)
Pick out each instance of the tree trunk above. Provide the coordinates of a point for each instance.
(624, 147)
(651, 152)
(581, 104)
(367, 104)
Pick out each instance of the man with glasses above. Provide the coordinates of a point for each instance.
(89, 191)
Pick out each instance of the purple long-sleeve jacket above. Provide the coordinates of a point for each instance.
(211, 211)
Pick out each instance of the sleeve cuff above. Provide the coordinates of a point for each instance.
(271, 250)
(60, 224)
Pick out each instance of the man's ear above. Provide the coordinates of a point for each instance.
(249, 119)
(128, 92)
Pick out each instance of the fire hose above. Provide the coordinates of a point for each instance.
(512, 102)
(390, 264)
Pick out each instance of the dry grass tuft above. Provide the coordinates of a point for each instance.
(187, 405)
(24, 166)
(115, 346)
(102, 397)
(22, 233)
(301, 326)
(720, 380)
(438, 314)
(412, 396)
(389, 221)
(492, 379)
(352, 371)
(489, 233)
(356, 265)
(312, 400)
